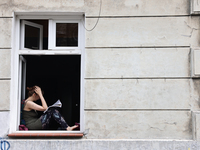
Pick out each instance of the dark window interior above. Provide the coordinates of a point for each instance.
(32, 37)
(59, 78)
(45, 24)
(66, 34)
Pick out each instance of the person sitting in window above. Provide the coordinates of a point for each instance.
(30, 115)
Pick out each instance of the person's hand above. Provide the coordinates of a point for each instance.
(38, 90)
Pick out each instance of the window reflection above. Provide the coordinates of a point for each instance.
(32, 37)
(67, 34)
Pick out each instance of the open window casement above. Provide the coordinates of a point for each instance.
(22, 84)
(31, 35)
(22, 77)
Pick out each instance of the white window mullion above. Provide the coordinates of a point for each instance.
(51, 35)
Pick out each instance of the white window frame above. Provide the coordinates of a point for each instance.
(17, 52)
(22, 35)
(52, 34)
(22, 73)
(21, 85)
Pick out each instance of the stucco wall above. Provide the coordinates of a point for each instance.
(137, 69)
(91, 7)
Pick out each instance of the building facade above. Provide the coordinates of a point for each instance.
(129, 75)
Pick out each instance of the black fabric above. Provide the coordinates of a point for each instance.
(54, 114)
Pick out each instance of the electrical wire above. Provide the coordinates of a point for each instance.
(97, 19)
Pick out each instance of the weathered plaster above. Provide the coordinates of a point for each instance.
(196, 91)
(196, 125)
(5, 32)
(138, 124)
(107, 144)
(5, 68)
(138, 7)
(196, 63)
(91, 7)
(4, 95)
(4, 123)
(194, 7)
(137, 62)
(144, 31)
(6, 8)
(141, 94)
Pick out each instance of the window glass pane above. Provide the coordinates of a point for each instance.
(67, 34)
(32, 37)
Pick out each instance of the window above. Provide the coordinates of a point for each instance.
(31, 35)
(65, 34)
(49, 53)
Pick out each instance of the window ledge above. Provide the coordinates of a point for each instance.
(45, 135)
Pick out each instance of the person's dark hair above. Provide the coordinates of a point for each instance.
(31, 91)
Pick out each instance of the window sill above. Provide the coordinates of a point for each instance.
(45, 135)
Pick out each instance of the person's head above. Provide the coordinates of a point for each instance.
(32, 93)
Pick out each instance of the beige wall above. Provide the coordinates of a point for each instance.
(138, 73)
(137, 65)
(91, 7)
(144, 31)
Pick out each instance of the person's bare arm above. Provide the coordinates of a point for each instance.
(39, 92)
(31, 105)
